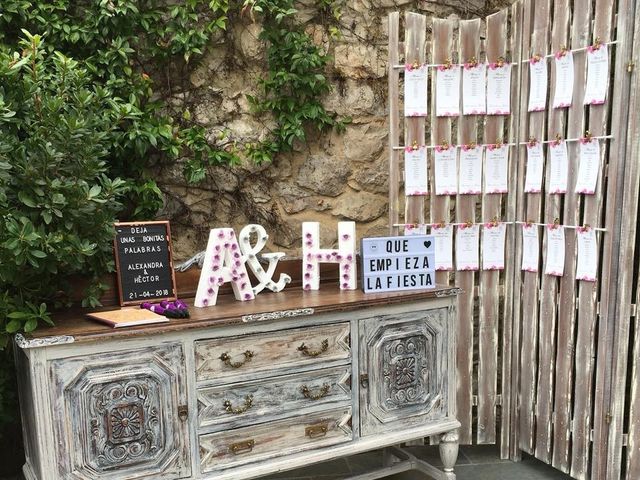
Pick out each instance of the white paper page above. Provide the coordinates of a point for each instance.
(446, 171)
(554, 261)
(474, 89)
(588, 166)
(563, 91)
(467, 247)
(535, 165)
(587, 265)
(495, 169)
(415, 91)
(470, 178)
(558, 167)
(499, 89)
(537, 84)
(597, 76)
(493, 237)
(448, 91)
(530, 248)
(444, 246)
(415, 171)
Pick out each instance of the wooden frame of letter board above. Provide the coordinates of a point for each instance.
(173, 272)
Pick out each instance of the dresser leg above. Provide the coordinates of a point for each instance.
(449, 451)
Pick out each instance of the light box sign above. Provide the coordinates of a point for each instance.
(398, 263)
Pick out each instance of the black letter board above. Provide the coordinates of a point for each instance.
(144, 265)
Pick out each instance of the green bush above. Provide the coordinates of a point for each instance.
(57, 205)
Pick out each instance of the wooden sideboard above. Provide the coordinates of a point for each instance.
(242, 389)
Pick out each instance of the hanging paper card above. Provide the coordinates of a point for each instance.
(415, 230)
(415, 170)
(474, 85)
(597, 75)
(467, 245)
(470, 179)
(446, 169)
(587, 266)
(554, 264)
(530, 248)
(493, 236)
(537, 84)
(443, 235)
(558, 167)
(448, 91)
(415, 91)
(499, 89)
(535, 164)
(563, 91)
(495, 168)
(588, 166)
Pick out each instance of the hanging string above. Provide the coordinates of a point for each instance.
(514, 64)
(493, 223)
(431, 147)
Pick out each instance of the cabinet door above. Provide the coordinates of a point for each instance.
(403, 370)
(121, 415)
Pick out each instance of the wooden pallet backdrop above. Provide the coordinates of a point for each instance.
(542, 361)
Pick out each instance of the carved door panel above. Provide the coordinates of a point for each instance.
(122, 415)
(403, 370)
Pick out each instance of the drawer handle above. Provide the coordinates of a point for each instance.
(226, 358)
(248, 403)
(316, 431)
(242, 447)
(315, 396)
(324, 346)
(183, 413)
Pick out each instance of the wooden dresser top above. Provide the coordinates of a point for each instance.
(229, 311)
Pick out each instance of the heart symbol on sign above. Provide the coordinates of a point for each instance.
(427, 243)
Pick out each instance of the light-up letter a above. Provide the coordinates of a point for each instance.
(223, 262)
(313, 255)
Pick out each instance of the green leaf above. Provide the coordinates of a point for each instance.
(13, 326)
(26, 199)
(95, 191)
(30, 325)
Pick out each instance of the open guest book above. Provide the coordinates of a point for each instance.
(127, 317)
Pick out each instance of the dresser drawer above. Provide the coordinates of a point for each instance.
(222, 360)
(251, 444)
(259, 401)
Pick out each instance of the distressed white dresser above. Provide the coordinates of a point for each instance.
(242, 389)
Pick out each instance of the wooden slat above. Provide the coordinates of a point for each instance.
(394, 123)
(465, 211)
(489, 280)
(580, 37)
(548, 302)
(510, 439)
(442, 46)
(628, 238)
(614, 326)
(415, 51)
(533, 202)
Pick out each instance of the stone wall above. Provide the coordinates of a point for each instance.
(332, 176)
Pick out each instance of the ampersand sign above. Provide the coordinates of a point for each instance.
(250, 253)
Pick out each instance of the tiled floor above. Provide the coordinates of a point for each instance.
(474, 463)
